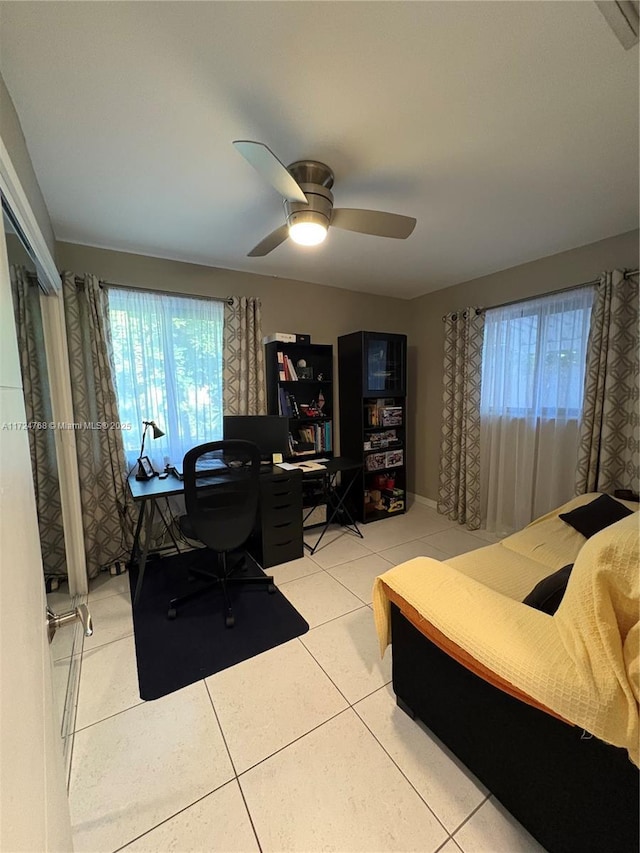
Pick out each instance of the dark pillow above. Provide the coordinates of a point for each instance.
(595, 516)
(547, 593)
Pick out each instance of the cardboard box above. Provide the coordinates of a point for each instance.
(391, 416)
(287, 338)
(283, 337)
(375, 461)
(394, 458)
(393, 500)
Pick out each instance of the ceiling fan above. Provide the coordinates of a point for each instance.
(308, 203)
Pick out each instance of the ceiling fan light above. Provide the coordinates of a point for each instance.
(307, 233)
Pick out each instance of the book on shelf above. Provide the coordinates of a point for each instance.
(283, 404)
(290, 370)
(300, 448)
(317, 435)
(383, 412)
(281, 371)
(287, 404)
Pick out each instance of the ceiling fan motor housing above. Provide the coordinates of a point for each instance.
(315, 180)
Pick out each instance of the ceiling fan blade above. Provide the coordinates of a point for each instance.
(373, 222)
(265, 162)
(271, 242)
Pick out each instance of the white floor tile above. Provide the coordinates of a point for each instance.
(454, 542)
(268, 701)
(134, 770)
(331, 534)
(109, 682)
(347, 649)
(338, 546)
(409, 550)
(449, 789)
(493, 830)
(105, 585)
(358, 576)
(337, 790)
(450, 847)
(293, 570)
(319, 597)
(219, 823)
(415, 524)
(112, 620)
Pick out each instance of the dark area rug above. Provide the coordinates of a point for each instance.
(173, 653)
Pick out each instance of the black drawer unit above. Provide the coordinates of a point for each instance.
(279, 538)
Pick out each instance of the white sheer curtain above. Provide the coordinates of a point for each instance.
(532, 388)
(168, 362)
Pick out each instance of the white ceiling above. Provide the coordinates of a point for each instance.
(508, 129)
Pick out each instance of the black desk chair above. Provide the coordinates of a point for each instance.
(221, 492)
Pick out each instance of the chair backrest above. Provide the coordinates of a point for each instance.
(221, 491)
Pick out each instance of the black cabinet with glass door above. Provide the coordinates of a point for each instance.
(373, 380)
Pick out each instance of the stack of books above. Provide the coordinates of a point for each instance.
(317, 434)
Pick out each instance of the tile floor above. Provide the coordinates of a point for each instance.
(301, 748)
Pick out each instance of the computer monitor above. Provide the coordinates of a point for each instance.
(269, 432)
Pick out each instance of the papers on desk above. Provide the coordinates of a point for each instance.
(303, 466)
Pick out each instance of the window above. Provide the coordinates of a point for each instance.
(168, 369)
(533, 367)
(534, 356)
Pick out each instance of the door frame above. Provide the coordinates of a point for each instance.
(57, 356)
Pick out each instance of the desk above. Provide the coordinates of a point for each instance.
(335, 500)
(278, 536)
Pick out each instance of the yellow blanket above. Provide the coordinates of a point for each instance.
(582, 663)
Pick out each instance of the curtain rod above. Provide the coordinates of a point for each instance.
(79, 280)
(627, 274)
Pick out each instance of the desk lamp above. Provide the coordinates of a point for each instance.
(145, 469)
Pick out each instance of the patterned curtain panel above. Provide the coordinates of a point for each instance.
(608, 456)
(101, 460)
(37, 400)
(459, 491)
(243, 356)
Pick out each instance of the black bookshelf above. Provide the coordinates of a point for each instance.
(308, 401)
(372, 367)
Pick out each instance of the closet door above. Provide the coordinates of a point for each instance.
(34, 806)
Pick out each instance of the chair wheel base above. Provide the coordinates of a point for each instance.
(229, 621)
(172, 613)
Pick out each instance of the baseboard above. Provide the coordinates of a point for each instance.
(419, 499)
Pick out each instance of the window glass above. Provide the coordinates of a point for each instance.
(535, 354)
(168, 368)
